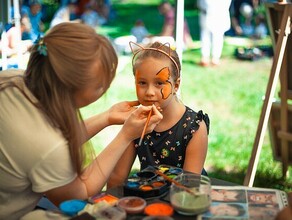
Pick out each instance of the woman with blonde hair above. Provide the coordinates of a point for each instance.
(42, 131)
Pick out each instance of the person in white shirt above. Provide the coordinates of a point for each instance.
(214, 22)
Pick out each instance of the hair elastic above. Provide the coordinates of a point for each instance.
(41, 46)
(154, 49)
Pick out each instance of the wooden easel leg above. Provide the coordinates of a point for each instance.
(284, 169)
(285, 154)
(271, 87)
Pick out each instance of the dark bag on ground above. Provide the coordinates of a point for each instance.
(253, 53)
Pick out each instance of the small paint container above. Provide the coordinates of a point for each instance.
(110, 199)
(146, 187)
(157, 217)
(133, 184)
(132, 204)
(172, 176)
(175, 170)
(163, 168)
(159, 209)
(157, 184)
(146, 175)
(72, 207)
(111, 213)
(133, 179)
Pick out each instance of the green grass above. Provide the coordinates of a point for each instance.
(231, 94)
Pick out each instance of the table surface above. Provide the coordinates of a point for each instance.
(118, 192)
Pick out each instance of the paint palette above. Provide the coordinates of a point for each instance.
(146, 183)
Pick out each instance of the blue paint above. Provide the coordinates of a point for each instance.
(175, 170)
(133, 184)
(72, 207)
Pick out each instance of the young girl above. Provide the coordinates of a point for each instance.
(181, 137)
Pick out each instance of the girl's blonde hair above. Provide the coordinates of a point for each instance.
(54, 76)
(158, 50)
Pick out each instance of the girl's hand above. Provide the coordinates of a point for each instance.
(134, 125)
(119, 112)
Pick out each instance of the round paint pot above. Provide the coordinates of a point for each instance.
(133, 179)
(72, 207)
(172, 176)
(159, 209)
(132, 184)
(163, 168)
(157, 184)
(157, 217)
(146, 175)
(175, 170)
(132, 204)
(111, 213)
(145, 187)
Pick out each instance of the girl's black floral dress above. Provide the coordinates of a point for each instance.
(169, 147)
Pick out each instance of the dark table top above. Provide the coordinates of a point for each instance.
(118, 192)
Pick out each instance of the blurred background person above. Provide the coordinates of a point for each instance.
(102, 7)
(12, 43)
(246, 27)
(168, 28)
(248, 19)
(261, 29)
(139, 31)
(67, 13)
(214, 21)
(35, 18)
(91, 17)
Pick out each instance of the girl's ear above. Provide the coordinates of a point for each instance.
(177, 84)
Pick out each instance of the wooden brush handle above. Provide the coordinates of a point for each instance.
(174, 181)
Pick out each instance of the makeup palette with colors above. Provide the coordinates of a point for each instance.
(148, 183)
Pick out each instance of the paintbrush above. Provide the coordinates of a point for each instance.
(175, 182)
(144, 129)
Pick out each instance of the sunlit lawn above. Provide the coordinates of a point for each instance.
(232, 95)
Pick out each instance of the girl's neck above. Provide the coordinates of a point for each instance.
(171, 115)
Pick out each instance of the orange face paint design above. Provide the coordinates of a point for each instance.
(164, 75)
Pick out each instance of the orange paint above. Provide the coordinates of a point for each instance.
(104, 197)
(164, 75)
(162, 209)
(146, 187)
(157, 184)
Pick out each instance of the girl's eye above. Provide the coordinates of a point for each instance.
(141, 83)
(159, 83)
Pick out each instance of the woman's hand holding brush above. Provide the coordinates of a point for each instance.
(145, 119)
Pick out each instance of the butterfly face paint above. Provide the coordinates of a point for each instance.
(164, 76)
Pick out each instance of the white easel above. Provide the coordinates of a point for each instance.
(279, 67)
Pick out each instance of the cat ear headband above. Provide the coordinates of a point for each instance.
(141, 48)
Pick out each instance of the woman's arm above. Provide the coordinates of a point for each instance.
(196, 151)
(123, 167)
(117, 114)
(96, 174)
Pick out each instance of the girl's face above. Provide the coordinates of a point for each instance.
(263, 198)
(92, 91)
(224, 210)
(224, 195)
(154, 84)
